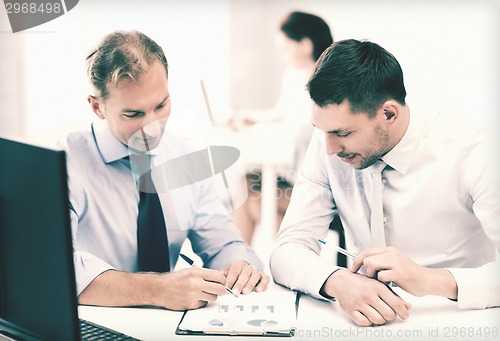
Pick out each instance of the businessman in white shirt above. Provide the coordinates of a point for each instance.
(439, 221)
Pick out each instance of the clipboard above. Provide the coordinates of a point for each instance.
(269, 313)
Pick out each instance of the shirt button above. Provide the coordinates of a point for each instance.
(385, 220)
(384, 181)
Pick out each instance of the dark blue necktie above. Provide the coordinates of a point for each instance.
(152, 239)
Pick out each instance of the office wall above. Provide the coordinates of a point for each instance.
(449, 51)
(11, 75)
(48, 76)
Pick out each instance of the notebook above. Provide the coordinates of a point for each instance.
(37, 278)
(270, 313)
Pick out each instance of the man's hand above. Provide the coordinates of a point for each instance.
(388, 264)
(367, 301)
(190, 288)
(242, 277)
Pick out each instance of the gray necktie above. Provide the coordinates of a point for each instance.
(377, 214)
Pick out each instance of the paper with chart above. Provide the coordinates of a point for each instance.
(269, 312)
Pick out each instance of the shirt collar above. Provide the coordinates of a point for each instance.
(110, 148)
(400, 157)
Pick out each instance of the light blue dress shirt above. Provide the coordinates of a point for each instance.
(104, 206)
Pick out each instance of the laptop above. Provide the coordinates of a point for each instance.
(38, 298)
(213, 121)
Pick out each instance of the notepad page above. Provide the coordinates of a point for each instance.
(269, 311)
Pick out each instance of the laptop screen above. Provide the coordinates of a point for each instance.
(37, 280)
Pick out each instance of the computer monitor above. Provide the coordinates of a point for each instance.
(37, 278)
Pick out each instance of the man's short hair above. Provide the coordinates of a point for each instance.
(122, 55)
(362, 72)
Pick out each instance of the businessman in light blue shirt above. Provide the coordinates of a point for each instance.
(129, 75)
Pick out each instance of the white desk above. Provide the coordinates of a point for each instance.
(150, 323)
(432, 318)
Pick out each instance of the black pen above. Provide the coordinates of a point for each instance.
(191, 262)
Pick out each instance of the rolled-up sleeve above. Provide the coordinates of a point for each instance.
(87, 266)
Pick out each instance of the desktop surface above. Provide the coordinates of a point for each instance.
(431, 318)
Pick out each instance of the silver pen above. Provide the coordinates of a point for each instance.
(348, 254)
(340, 250)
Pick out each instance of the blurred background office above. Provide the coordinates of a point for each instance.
(301, 37)
(449, 51)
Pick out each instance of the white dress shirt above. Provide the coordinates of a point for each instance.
(441, 208)
(104, 202)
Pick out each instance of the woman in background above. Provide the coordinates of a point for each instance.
(302, 38)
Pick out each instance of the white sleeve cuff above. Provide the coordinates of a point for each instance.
(478, 288)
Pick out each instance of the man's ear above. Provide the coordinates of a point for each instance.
(96, 106)
(391, 110)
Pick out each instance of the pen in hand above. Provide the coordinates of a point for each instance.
(348, 254)
(191, 262)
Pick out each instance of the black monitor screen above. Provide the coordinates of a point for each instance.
(37, 287)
